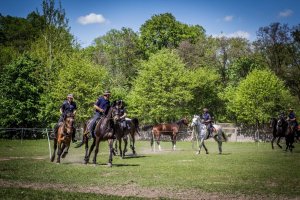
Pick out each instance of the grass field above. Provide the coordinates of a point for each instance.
(243, 171)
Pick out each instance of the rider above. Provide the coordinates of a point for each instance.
(68, 106)
(123, 113)
(101, 107)
(292, 119)
(207, 121)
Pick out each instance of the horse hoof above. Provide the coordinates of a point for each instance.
(198, 152)
(109, 164)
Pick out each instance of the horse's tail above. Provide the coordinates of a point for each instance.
(224, 136)
(135, 122)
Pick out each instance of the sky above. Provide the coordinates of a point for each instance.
(90, 19)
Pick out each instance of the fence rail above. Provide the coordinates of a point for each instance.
(234, 133)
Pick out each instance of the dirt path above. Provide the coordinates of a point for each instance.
(131, 190)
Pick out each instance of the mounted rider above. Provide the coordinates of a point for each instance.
(123, 114)
(101, 107)
(68, 106)
(292, 119)
(207, 121)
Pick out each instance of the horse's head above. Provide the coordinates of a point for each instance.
(69, 122)
(195, 121)
(185, 121)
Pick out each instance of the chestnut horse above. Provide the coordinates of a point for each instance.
(123, 129)
(103, 132)
(170, 129)
(63, 137)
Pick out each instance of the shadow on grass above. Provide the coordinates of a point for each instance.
(134, 156)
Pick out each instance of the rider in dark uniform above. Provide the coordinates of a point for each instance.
(68, 106)
(207, 121)
(292, 119)
(101, 107)
(123, 113)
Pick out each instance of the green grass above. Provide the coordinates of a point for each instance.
(244, 169)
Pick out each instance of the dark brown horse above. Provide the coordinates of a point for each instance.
(279, 129)
(170, 129)
(290, 137)
(103, 132)
(124, 129)
(63, 138)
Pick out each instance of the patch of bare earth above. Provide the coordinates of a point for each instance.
(133, 190)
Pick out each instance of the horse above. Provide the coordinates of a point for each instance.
(200, 129)
(170, 129)
(279, 128)
(124, 128)
(63, 137)
(103, 131)
(290, 137)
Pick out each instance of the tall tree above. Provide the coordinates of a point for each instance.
(273, 42)
(159, 93)
(118, 51)
(164, 31)
(258, 97)
(20, 91)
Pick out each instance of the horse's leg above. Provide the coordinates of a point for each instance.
(59, 151)
(152, 141)
(65, 151)
(158, 142)
(278, 141)
(272, 141)
(132, 146)
(220, 135)
(96, 150)
(200, 145)
(116, 147)
(54, 150)
(206, 151)
(120, 147)
(125, 139)
(110, 142)
(174, 137)
(86, 156)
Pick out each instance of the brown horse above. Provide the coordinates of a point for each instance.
(103, 132)
(123, 129)
(63, 137)
(170, 129)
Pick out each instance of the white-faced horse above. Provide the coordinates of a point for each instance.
(201, 133)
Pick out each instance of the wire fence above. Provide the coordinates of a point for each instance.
(234, 133)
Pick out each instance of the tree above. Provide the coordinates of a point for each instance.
(80, 77)
(164, 31)
(258, 97)
(118, 51)
(200, 53)
(273, 43)
(20, 91)
(205, 84)
(160, 90)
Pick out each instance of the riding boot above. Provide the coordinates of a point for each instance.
(55, 129)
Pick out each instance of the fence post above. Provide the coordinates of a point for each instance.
(48, 142)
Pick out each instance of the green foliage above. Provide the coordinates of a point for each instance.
(205, 86)
(258, 97)
(20, 91)
(81, 78)
(160, 90)
(164, 31)
(242, 66)
(118, 51)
